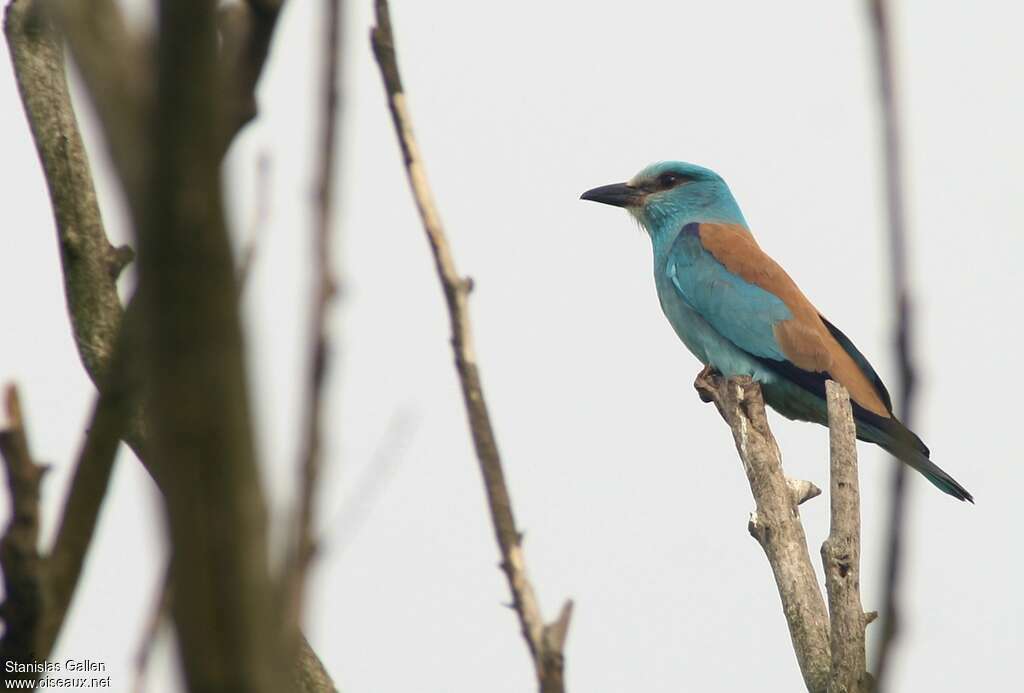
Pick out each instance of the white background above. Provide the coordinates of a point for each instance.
(628, 488)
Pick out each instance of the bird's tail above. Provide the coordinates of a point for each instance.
(897, 439)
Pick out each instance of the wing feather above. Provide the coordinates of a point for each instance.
(721, 272)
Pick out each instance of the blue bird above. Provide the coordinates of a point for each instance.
(739, 312)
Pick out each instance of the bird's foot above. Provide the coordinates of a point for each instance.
(705, 383)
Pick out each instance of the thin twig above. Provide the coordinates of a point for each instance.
(900, 287)
(112, 418)
(325, 288)
(366, 490)
(545, 642)
(776, 521)
(840, 554)
(24, 595)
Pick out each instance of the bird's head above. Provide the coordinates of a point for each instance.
(666, 196)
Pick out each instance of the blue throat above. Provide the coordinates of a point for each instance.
(705, 201)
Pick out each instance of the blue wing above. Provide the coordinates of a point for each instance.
(742, 312)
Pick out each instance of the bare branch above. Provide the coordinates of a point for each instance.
(117, 68)
(776, 521)
(91, 264)
(114, 416)
(198, 414)
(24, 603)
(840, 554)
(544, 641)
(325, 288)
(903, 329)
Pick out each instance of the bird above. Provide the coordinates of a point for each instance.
(741, 314)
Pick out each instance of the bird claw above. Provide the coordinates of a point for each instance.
(705, 383)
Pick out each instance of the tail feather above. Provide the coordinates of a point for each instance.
(799, 394)
(901, 442)
(933, 473)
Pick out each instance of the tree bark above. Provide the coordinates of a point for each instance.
(840, 554)
(776, 521)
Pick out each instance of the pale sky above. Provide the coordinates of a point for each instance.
(627, 486)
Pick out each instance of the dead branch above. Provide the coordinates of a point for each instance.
(113, 419)
(23, 605)
(305, 548)
(840, 554)
(903, 328)
(545, 642)
(91, 264)
(117, 69)
(776, 521)
(829, 646)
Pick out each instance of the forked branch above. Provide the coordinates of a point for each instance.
(829, 646)
(776, 521)
(545, 641)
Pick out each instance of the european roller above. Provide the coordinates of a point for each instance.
(739, 312)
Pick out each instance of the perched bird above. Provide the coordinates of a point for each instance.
(739, 312)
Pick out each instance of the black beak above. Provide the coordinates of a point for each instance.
(617, 195)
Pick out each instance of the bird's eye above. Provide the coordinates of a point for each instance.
(667, 180)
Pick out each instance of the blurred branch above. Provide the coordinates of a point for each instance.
(161, 609)
(545, 641)
(903, 328)
(325, 287)
(776, 521)
(246, 29)
(840, 554)
(366, 489)
(119, 73)
(24, 595)
(113, 411)
(198, 410)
